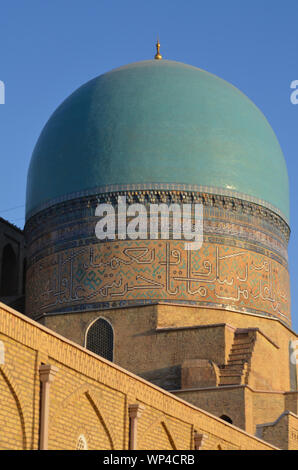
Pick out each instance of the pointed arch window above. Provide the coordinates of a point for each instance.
(100, 338)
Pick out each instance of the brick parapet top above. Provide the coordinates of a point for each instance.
(273, 423)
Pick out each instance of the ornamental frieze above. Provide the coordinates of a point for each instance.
(155, 270)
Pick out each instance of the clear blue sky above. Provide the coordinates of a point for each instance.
(48, 48)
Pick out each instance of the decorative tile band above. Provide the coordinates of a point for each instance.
(152, 270)
(224, 207)
(153, 187)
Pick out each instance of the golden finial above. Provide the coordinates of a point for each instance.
(157, 55)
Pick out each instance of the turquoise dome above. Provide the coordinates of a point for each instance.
(157, 124)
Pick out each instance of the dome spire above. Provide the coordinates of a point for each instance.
(157, 55)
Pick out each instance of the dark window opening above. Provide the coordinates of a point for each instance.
(24, 275)
(100, 339)
(226, 418)
(9, 272)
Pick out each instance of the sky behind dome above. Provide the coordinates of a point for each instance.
(48, 48)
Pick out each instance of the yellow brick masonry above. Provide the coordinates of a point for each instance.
(179, 333)
(90, 396)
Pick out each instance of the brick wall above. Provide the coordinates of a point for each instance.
(283, 431)
(90, 396)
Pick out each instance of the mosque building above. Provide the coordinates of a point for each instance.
(208, 327)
